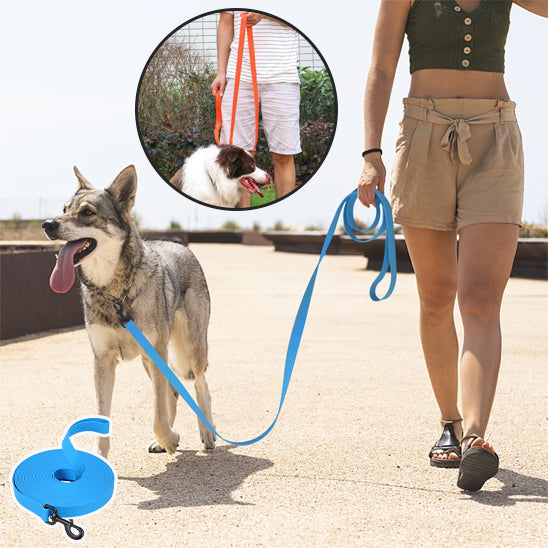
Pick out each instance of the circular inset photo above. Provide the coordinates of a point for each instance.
(236, 109)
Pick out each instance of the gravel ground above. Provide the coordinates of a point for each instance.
(347, 463)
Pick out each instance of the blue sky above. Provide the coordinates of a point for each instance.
(70, 73)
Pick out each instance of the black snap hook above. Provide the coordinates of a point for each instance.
(69, 525)
(119, 307)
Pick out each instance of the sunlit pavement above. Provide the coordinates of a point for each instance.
(346, 464)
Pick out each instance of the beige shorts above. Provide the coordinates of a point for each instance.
(458, 162)
(279, 111)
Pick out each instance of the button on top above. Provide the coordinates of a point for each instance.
(457, 8)
(467, 50)
(468, 21)
(468, 37)
(465, 63)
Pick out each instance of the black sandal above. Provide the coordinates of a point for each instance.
(477, 465)
(447, 444)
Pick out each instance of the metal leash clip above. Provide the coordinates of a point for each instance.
(68, 523)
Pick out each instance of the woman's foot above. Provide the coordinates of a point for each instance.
(446, 453)
(480, 442)
(479, 462)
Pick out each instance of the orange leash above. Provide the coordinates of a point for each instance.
(218, 117)
(239, 59)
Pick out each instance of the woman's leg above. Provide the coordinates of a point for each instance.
(486, 254)
(434, 257)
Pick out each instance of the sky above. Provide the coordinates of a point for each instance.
(70, 75)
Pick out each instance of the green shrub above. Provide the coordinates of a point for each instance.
(230, 225)
(176, 113)
(278, 225)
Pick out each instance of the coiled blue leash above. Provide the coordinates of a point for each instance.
(67, 482)
(383, 224)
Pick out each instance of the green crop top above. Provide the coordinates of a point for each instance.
(442, 35)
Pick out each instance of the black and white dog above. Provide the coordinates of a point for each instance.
(220, 176)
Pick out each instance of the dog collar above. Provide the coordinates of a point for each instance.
(212, 181)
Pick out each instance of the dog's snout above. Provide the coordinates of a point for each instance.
(50, 224)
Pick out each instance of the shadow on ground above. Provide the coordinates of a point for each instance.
(200, 479)
(515, 488)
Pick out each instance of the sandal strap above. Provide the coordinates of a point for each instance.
(452, 421)
(448, 439)
(445, 449)
(472, 437)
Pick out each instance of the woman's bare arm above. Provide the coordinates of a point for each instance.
(225, 34)
(389, 35)
(538, 7)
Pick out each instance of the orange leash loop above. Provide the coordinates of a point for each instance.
(251, 47)
(239, 59)
(218, 117)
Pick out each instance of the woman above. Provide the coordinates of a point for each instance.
(458, 169)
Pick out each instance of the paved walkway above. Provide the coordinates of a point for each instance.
(347, 463)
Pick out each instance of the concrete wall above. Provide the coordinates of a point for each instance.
(28, 305)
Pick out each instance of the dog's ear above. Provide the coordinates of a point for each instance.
(124, 187)
(83, 183)
(232, 155)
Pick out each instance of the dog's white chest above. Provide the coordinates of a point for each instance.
(109, 341)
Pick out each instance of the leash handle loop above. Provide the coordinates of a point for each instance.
(253, 68)
(218, 117)
(384, 217)
(95, 424)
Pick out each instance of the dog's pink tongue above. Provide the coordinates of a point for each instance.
(251, 186)
(62, 277)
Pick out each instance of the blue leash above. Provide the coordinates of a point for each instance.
(60, 483)
(383, 224)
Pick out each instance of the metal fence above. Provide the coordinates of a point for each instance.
(200, 35)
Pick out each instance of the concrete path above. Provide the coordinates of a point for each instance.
(347, 463)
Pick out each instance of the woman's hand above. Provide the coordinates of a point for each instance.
(372, 177)
(253, 18)
(219, 84)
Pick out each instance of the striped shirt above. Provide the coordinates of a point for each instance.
(276, 52)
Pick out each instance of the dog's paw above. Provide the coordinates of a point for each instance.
(155, 447)
(208, 439)
(165, 444)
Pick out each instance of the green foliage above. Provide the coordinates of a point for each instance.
(174, 225)
(530, 230)
(278, 225)
(176, 114)
(230, 225)
(317, 95)
(269, 196)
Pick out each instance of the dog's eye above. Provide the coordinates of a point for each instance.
(64, 209)
(87, 212)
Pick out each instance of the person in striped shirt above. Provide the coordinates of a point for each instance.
(276, 53)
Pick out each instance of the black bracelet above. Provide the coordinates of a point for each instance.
(371, 150)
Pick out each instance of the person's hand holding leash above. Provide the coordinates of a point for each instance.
(253, 18)
(219, 84)
(372, 176)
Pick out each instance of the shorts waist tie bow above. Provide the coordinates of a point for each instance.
(454, 140)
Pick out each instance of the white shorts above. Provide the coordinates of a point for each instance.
(279, 104)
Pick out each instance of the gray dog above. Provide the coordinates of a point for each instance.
(159, 285)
